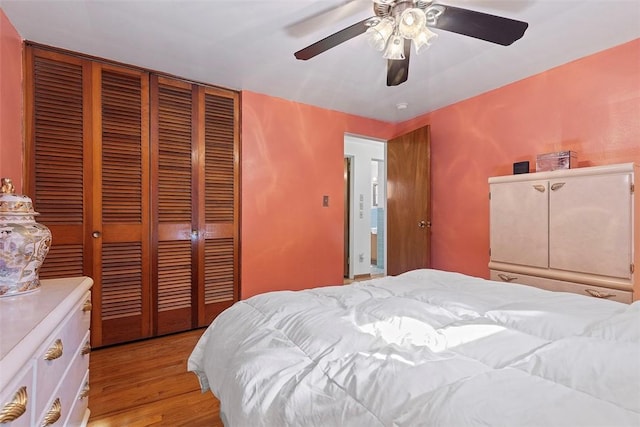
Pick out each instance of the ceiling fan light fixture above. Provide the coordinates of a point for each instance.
(423, 40)
(395, 48)
(377, 35)
(412, 22)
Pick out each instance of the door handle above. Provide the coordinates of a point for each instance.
(424, 224)
(95, 234)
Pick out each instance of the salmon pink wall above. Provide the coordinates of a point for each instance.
(591, 106)
(292, 156)
(10, 102)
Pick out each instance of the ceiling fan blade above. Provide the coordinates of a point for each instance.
(491, 28)
(398, 69)
(332, 41)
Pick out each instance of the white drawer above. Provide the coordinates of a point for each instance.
(79, 415)
(18, 395)
(67, 391)
(562, 286)
(63, 345)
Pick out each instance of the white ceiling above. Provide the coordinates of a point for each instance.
(249, 45)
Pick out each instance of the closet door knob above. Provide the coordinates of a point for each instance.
(95, 234)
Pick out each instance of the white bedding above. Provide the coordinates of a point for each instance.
(425, 348)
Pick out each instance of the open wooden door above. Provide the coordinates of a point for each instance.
(409, 202)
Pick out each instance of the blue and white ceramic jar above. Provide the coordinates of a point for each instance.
(24, 243)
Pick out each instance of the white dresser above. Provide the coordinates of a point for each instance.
(44, 355)
(572, 230)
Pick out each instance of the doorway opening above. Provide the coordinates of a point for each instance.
(365, 207)
(377, 218)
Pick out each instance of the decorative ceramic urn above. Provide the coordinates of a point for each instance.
(23, 243)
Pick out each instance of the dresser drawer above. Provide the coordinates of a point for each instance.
(16, 400)
(64, 397)
(79, 414)
(54, 358)
(562, 286)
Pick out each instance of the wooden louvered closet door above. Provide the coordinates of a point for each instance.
(194, 136)
(173, 195)
(89, 135)
(121, 224)
(218, 225)
(57, 120)
(137, 177)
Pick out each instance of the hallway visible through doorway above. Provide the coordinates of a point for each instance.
(365, 207)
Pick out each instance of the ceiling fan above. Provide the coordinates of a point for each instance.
(398, 23)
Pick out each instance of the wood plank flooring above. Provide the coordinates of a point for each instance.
(146, 383)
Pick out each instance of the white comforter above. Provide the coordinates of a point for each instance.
(426, 348)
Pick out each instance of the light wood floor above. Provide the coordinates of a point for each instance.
(147, 384)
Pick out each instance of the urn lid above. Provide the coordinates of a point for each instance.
(14, 204)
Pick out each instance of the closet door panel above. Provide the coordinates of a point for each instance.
(172, 134)
(57, 122)
(120, 234)
(220, 282)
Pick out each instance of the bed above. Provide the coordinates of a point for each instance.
(424, 348)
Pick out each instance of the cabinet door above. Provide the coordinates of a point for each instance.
(519, 223)
(590, 224)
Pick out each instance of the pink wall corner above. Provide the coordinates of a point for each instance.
(591, 106)
(291, 157)
(10, 102)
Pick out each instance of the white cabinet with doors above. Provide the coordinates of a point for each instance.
(572, 230)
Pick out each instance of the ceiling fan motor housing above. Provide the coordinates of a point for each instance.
(394, 9)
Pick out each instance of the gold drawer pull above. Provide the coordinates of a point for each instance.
(55, 351)
(86, 349)
(506, 277)
(54, 413)
(557, 186)
(85, 391)
(87, 306)
(599, 294)
(540, 188)
(14, 409)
